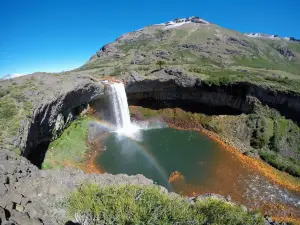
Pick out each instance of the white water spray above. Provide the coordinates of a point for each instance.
(121, 110)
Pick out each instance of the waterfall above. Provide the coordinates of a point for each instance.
(120, 109)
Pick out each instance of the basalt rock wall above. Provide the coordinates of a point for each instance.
(53, 113)
(172, 88)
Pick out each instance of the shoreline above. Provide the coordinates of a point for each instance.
(256, 164)
(89, 166)
(278, 177)
(253, 163)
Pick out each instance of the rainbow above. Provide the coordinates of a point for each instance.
(142, 149)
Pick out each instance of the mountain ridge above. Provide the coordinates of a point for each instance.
(204, 50)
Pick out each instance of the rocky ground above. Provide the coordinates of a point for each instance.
(29, 196)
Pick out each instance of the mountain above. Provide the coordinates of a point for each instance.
(10, 76)
(202, 49)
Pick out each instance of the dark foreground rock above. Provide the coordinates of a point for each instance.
(30, 196)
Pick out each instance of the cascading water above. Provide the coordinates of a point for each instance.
(120, 109)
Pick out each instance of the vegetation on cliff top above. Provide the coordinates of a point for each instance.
(129, 204)
(14, 107)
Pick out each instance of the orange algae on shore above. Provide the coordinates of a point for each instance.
(257, 164)
(276, 176)
(175, 176)
(89, 165)
(291, 220)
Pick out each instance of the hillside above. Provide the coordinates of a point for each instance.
(203, 50)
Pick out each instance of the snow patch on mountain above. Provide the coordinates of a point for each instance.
(11, 76)
(182, 21)
(272, 37)
(172, 24)
(260, 35)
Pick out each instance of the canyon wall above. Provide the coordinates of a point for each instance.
(52, 114)
(172, 88)
(165, 88)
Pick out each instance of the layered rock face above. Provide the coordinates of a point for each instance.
(164, 88)
(173, 88)
(53, 113)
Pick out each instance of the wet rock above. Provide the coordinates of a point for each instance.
(228, 198)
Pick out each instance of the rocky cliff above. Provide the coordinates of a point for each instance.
(54, 108)
(51, 115)
(42, 105)
(174, 88)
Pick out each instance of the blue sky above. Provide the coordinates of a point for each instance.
(56, 35)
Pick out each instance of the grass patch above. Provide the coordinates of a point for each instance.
(10, 117)
(8, 109)
(262, 130)
(276, 138)
(285, 83)
(130, 204)
(127, 46)
(70, 147)
(3, 92)
(271, 64)
(179, 117)
(255, 62)
(277, 161)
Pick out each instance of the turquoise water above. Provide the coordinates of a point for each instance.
(159, 153)
(201, 166)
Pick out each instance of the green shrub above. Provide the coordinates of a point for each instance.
(143, 68)
(7, 109)
(3, 92)
(196, 70)
(262, 130)
(130, 204)
(219, 80)
(277, 161)
(17, 151)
